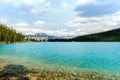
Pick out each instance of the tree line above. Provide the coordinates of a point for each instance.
(9, 34)
(112, 35)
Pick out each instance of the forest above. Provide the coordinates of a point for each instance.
(108, 36)
(9, 35)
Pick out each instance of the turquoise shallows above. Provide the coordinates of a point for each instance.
(87, 55)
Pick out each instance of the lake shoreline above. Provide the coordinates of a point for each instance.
(43, 61)
(20, 72)
(14, 42)
(3, 42)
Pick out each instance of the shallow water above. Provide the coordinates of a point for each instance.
(103, 56)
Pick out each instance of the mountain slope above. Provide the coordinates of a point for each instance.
(41, 34)
(112, 35)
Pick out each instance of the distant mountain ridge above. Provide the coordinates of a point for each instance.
(50, 36)
(108, 36)
(40, 34)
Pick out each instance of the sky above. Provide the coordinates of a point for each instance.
(60, 17)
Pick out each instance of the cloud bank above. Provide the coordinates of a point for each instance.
(60, 17)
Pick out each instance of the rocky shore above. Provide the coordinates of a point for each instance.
(20, 72)
(2, 42)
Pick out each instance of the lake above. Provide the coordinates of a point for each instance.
(102, 56)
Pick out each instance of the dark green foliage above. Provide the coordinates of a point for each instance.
(113, 35)
(9, 34)
(59, 40)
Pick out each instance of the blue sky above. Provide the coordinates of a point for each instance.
(60, 17)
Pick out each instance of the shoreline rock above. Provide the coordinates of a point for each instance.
(20, 72)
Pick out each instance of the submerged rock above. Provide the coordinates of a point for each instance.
(19, 72)
(15, 69)
(14, 72)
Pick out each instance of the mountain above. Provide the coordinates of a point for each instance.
(40, 34)
(67, 37)
(43, 35)
(60, 37)
(50, 36)
(112, 35)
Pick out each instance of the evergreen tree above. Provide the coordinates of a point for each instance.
(9, 34)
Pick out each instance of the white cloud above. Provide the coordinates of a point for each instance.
(22, 24)
(80, 32)
(65, 5)
(104, 21)
(83, 22)
(84, 31)
(37, 11)
(3, 21)
(20, 2)
(61, 32)
(25, 30)
(34, 7)
(40, 23)
(83, 25)
(30, 2)
(81, 2)
(87, 25)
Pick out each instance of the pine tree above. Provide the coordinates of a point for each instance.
(9, 34)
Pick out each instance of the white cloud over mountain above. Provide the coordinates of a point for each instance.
(95, 24)
(61, 17)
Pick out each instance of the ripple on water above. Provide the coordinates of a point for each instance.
(84, 58)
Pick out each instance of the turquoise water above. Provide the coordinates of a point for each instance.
(89, 55)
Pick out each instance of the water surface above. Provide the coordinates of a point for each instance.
(89, 55)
